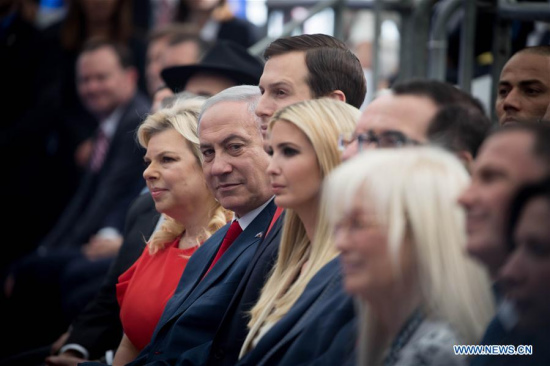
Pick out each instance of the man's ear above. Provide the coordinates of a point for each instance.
(466, 158)
(338, 95)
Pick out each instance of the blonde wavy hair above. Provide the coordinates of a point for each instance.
(414, 192)
(182, 117)
(322, 121)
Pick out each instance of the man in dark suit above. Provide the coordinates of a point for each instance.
(234, 166)
(107, 86)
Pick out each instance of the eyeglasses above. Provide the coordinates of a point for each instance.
(386, 139)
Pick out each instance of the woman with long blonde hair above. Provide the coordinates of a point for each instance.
(402, 236)
(304, 143)
(176, 182)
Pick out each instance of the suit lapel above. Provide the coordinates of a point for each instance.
(248, 238)
(194, 271)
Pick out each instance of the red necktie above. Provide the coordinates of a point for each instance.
(232, 234)
(101, 146)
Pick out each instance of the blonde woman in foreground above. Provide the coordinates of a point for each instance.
(175, 180)
(304, 143)
(401, 235)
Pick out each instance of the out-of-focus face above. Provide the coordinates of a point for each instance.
(294, 171)
(365, 255)
(526, 274)
(408, 114)
(181, 54)
(523, 88)
(234, 158)
(283, 82)
(173, 174)
(102, 83)
(154, 66)
(159, 96)
(207, 84)
(98, 11)
(504, 163)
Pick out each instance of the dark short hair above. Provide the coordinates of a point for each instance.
(330, 63)
(123, 53)
(458, 127)
(523, 196)
(441, 93)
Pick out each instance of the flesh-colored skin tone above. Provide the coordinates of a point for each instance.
(526, 274)
(368, 268)
(505, 162)
(295, 173)
(155, 52)
(102, 83)
(234, 158)
(175, 180)
(181, 54)
(523, 88)
(408, 114)
(207, 84)
(283, 83)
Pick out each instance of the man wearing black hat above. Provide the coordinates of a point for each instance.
(225, 65)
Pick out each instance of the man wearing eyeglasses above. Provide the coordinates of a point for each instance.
(403, 117)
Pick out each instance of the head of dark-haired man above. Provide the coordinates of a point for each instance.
(306, 67)
(524, 86)
(509, 158)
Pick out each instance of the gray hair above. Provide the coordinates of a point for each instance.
(242, 93)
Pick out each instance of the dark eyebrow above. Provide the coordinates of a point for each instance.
(279, 84)
(531, 82)
(224, 141)
(289, 144)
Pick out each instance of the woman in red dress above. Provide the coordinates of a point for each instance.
(176, 182)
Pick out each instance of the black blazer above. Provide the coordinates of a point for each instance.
(319, 329)
(109, 192)
(193, 314)
(233, 330)
(98, 327)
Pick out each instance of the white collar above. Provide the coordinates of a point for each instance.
(110, 124)
(250, 216)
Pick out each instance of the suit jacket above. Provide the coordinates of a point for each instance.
(318, 329)
(109, 192)
(193, 314)
(232, 332)
(98, 327)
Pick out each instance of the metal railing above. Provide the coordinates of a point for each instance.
(423, 45)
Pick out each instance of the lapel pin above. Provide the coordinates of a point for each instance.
(259, 235)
